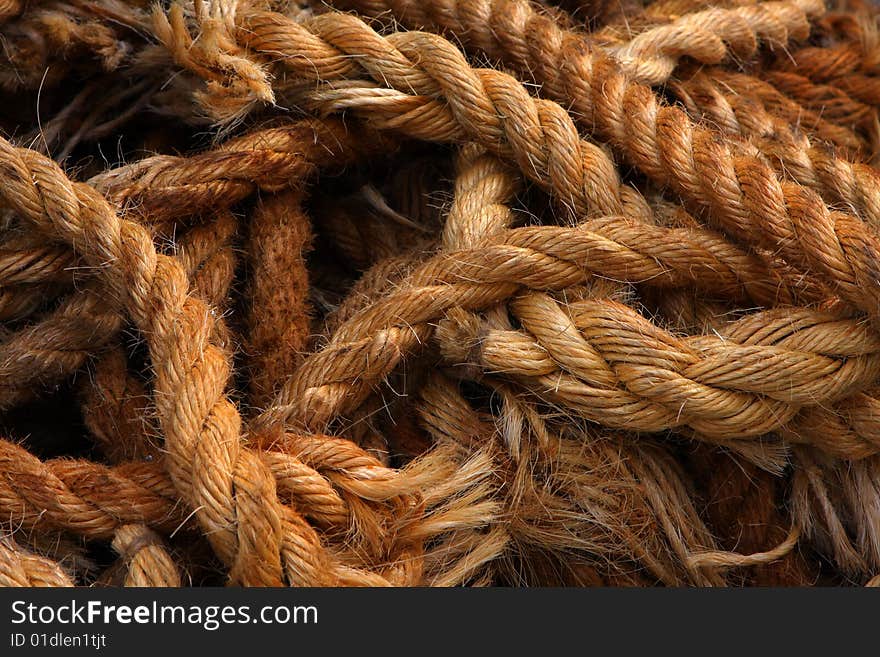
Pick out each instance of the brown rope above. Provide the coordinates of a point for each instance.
(21, 568)
(279, 317)
(744, 195)
(325, 385)
(710, 36)
(239, 491)
(147, 560)
(420, 337)
(578, 356)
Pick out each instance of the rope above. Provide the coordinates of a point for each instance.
(444, 293)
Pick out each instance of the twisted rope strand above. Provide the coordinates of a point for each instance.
(95, 500)
(235, 499)
(18, 567)
(147, 561)
(372, 342)
(610, 365)
(839, 180)
(164, 187)
(115, 402)
(744, 196)
(710, 36)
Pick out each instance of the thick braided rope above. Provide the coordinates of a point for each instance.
(482, 194)
(544, 149)
(745, 90)
(279, 288)
(744, 195)
(721, 95)
(571, 185)
(313, 473)
(855, 423)
(61, 342)
(165, 187)
(161, 190)
(863, 88)
(146, 558)
(484, 189)
(115, 402)
(710, 36)
(19, 567)
(260, 540)
(612, 366)
(855, 51)
(94, 500)
(544, 143)
(372, 342)
(206, 257)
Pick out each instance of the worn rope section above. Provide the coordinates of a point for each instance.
(578, 356)
(21, 568)
(260, 540)
(741, 190)
(279, 312)
(370, 344)
(713, 35)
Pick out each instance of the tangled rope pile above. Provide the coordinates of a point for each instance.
(439, 293)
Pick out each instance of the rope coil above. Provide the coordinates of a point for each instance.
(353, 306)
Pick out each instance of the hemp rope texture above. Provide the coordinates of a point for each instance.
(744, 195)
(302, 355)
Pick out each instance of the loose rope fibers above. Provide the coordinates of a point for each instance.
(439, 293)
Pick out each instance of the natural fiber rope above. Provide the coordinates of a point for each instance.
(564, 359)
(242, 491)
(95, 500)
(79, 327)
(150, 174)
(733, 96)
(48, 351)
(743, 193)
(484, 186)
(21, 568)
(115, 402)
(712, 35)
(474, 279)
(165, 187)
(454, 387)
(148, 563)
(278, 329)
